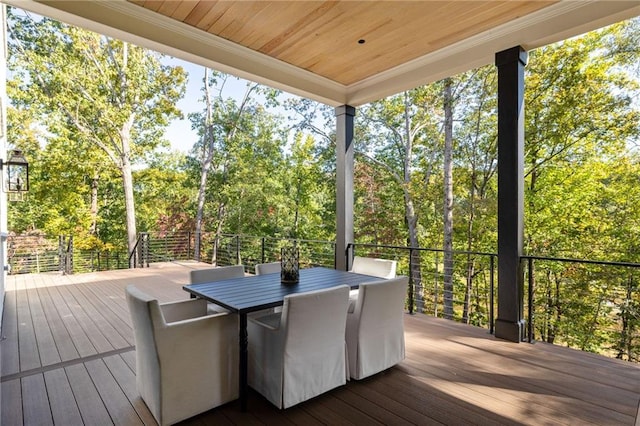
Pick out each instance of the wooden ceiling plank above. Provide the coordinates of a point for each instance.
(250, 35)
(153, 4)
(307, 23)
(217, 11)
(198, 12)
(242, 18)
(183, 10)
(169, 7)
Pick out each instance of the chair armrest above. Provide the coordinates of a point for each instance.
(184, 309)
(189, 334)
(270, 321)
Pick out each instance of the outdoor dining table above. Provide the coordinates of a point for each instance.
(254, 293)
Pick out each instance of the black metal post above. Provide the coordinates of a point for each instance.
(61, 253)
(237, 249)
(263, 243)
(350, 252)
(69, 269)
(412, 290)
(510, 322)
(530, 336)
(492, 295)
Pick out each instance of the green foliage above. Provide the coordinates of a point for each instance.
(102, 105)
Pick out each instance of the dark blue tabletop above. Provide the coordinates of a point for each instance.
(254, 293)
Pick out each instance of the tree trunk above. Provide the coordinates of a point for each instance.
(129, 203)
(93, 229)
(214, 255)
(125, 160)
(448, 199)
(411, 216)
(470, 265)
(207, 158)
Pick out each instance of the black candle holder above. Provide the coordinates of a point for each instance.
(289, 265)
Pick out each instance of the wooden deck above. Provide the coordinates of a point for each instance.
(68, 359)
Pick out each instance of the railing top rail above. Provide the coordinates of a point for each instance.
(588, 262)
(479, 253)
(278, 238)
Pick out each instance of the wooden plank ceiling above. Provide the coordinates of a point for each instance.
(344, 41)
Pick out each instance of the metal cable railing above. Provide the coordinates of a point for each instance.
(584, 304)
(458, 286)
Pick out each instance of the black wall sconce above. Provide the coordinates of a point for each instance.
(15, 172)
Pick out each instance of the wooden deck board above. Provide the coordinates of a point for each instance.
(98, 338)
(80, 340)
(102, 319)
(126, 379)
(453, 374)
(47, 348)
(511, 377)
(116, 402)
(90, 404)
(11, 403)
(63, 404)
(27, 344)
(64, 343)
(35, 401)
(9, 353)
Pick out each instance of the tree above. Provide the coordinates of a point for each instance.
(396, 134)
(217, 127)
(108, 93)
(237, 158)
(581, 121)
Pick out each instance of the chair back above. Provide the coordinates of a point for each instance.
(145, 317)
(381, 268)
(198, 276)
(268, 268)
(382, 302)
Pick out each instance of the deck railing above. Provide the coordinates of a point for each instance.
(458, 286)
(584, 304)
(251, 250)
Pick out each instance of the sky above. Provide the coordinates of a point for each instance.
(179, 133)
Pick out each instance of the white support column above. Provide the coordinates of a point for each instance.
(344, 183)
(3, 152)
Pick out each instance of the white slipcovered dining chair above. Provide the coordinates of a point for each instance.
(375, 328)
(186, 360)
(268, 268)
(381, 268)
(300, 353)
(199, 276)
